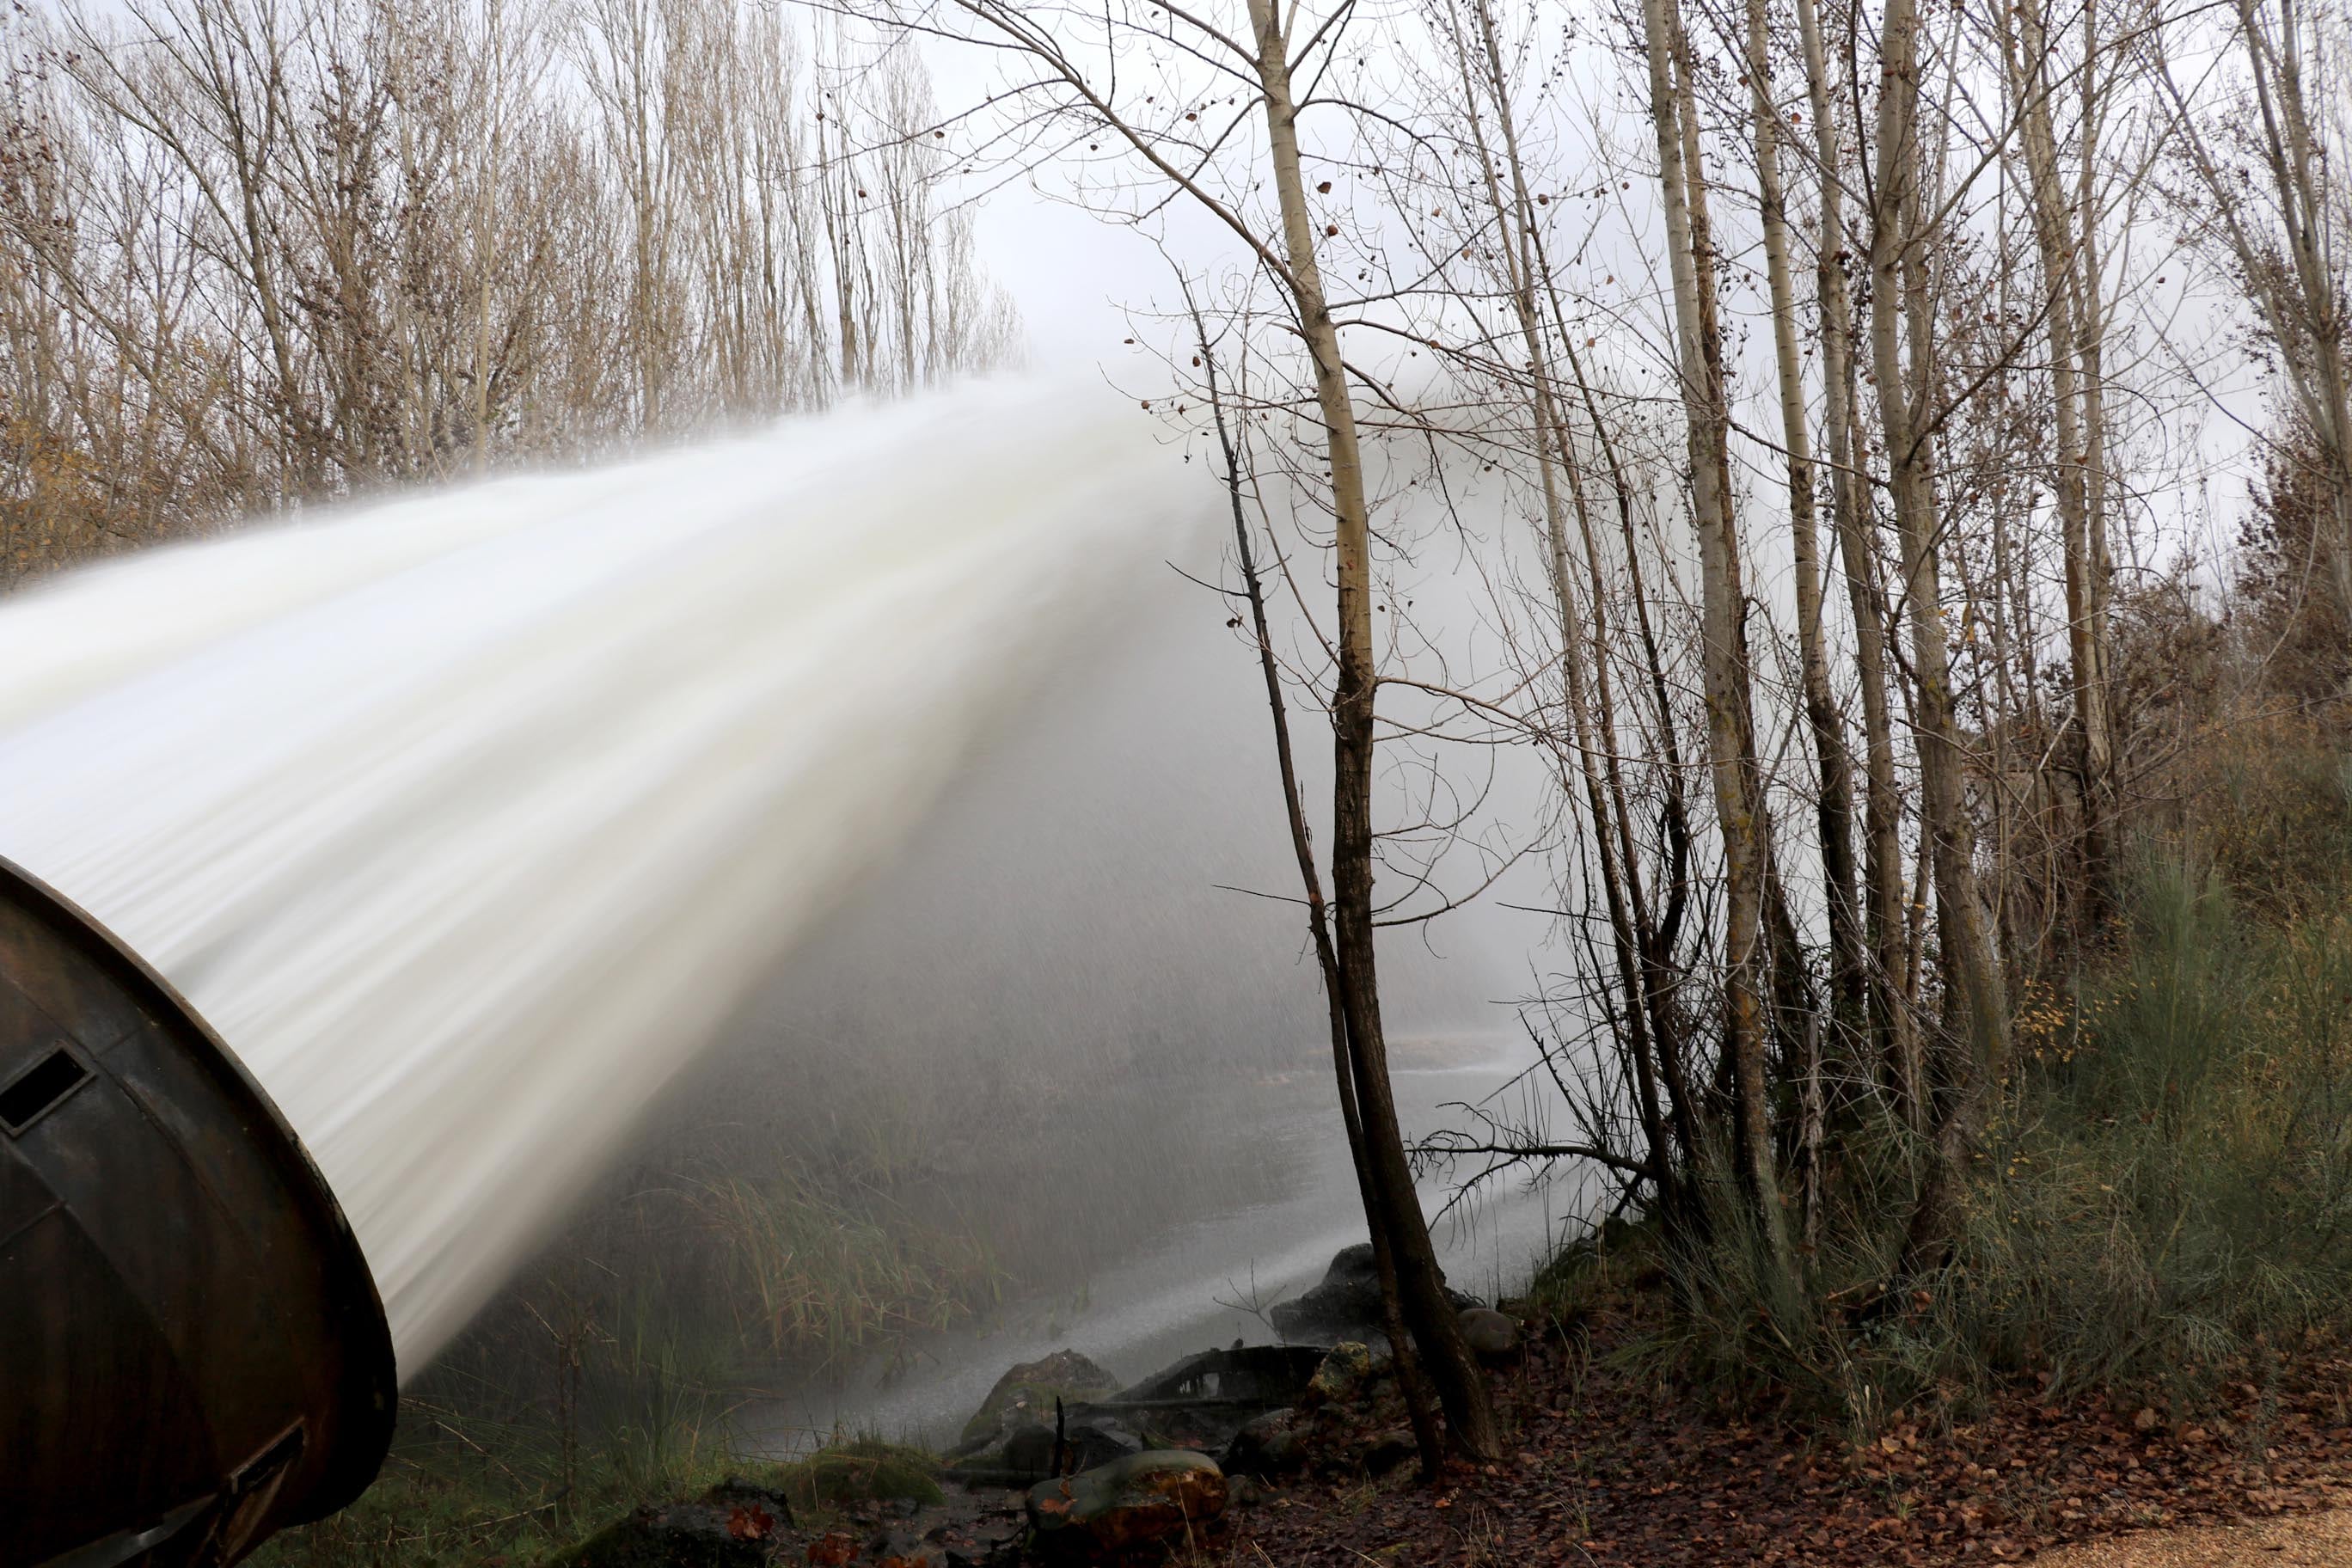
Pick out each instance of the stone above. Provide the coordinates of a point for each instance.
(1389, 1450)
(1345, 1304)
(1146, 1496)
(1270, 1445)
(1029, 1448)
(1027, 1392)
(1343, 1372)
(712, 1534)
(1099, 1439)
(1490, 1333)
(904, 1549)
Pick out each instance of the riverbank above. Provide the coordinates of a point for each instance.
(911, 1256)
(1610, 1462)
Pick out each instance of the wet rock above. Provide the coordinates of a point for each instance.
(861, 1474)
(1343, 1372)
(730, 1527)
(1028, 1448)
(1389, 1450)
(1490, 1333)
(902, 1548)
(1271, 1445)
(1099, 1439)
(1143, 1498)
(1027, 1452)
(1345, 1304)
(1027, 1392)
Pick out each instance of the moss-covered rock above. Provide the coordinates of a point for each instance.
(1142, 1498)
(1027, 1393)
(1343, 1373)
(865, 1470)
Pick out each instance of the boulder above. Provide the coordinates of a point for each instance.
(1343, 1373)
(1099, 1439)
(1029, 1448)
(1027, 1451)
(1345, 1304)
(1027, 1392)
(1491, 1334)
(1128, 1502)
(731, 1526)
(1272, 1445)
(864, 1470)
(1389, 1450)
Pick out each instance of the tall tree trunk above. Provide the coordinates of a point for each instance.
(2025, 46)
(1428, 1314)
(1827, 727)
(1891, 1027)
(1418, 1408)
(1723, 638)
(1555, 462)
(1902, 317)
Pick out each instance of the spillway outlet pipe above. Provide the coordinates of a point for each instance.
(193, 1352)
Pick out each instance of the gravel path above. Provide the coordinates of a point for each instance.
(2319, 1540)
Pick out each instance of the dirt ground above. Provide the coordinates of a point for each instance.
(2312, 1539)
(1613, 1467)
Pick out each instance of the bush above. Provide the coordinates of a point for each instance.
(2165, 1185)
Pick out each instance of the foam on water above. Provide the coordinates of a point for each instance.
(465, 818)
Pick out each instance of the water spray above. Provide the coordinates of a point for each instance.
(466, 819)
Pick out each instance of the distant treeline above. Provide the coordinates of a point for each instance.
(260, 253)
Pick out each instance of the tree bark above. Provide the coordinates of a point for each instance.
(2025, 46)
(1834, 810)
(1428, 1314)
(1427, 1437)
(1902, 317)
(1723, 638)
(1892, 1028)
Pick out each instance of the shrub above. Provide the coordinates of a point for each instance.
(2165, 1184)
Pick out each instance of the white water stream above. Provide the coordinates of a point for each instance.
(466, 818)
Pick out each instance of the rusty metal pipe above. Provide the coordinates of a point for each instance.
(193, 1354)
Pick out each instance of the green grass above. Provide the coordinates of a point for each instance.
(467, 1491)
